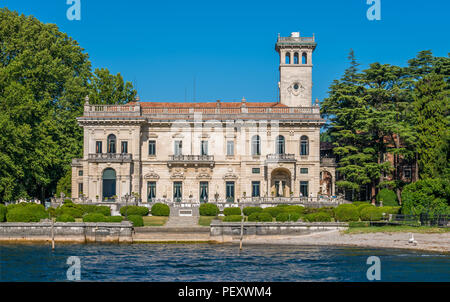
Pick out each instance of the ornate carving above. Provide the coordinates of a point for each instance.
(151, 175)
(178, 175)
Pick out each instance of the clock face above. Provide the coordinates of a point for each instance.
(296, 88)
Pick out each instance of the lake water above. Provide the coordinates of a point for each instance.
(204, 262)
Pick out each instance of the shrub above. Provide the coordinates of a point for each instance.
(208, 209)
(390, 210)
(371, 214)
(26, 212)
(327, 210)
(318, 217)
(294, 209)
(426, 195)
(232, 218)
(2, 213)
(287, 216)
(346, 212)
(388, 197)
(137, 220)
(250, 210)
(94, 217)
(70, 209)
(67, 201)
(159, 209)
(358, 203)
(65, 218)
(136, 210)
(231, 211)
(265, 217)
(88, 208)
(113, 219)
(253, 217)
(363, 206)
(273, 211)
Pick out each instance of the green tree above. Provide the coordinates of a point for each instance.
(44, 78)
(432, 125)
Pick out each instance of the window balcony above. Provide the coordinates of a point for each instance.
(191, 160)
(285, 158)
(110, 158)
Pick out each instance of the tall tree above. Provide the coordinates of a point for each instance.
(44, 77)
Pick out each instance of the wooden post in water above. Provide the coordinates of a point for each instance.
(53, 234)
(242, 230)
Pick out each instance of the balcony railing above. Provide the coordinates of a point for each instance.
(110, 157)
(191, 159)
(327, 162)
(281, 157)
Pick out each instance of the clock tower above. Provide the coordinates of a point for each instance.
(295, 86)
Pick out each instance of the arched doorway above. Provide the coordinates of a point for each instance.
(280, 183)
(109, 183)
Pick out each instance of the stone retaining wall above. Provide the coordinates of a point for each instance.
(227, 231)
(79, 232)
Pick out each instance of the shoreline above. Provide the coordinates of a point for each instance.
(430, 242)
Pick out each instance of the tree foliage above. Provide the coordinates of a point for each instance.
(44, 78)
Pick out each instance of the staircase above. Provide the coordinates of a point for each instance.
(182, 221)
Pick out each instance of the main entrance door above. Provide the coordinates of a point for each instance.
(280, 182)
(109, 183)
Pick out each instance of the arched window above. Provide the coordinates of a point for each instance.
(111, 143)
(296, 58)
(256, 145)
(304, 145)
(304, 58)
(287, 58)
(109, 183)
(280, 144)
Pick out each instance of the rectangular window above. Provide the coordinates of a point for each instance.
(98, 147)
(124, 146)
(304, 189)
(204, 148)
(177, 191)
(151, 191)
(178, 147)
(80, 189)
(80, 172)
(256, 170)
(230, 148)
(407, 173)
(303, 170)
(204, 191)
(256, 188)
(151, 147)
(230, 191)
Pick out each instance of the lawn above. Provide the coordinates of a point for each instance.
(390, 229)
(155, 220)
(206, 220)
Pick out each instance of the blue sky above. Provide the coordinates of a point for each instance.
(228, 46)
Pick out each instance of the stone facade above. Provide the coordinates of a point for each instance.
(215, 152)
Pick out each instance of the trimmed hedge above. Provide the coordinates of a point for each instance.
(390, 210)
(2, 213)
(287, 216)
(137, 220)
(135, 210)
(346, 212)
(371, 214)
(160, 209)
(318, 217)
(88, 208)
(388, 197)
(26, 212)
(208, 209)
(250, 210)
(363, 206)
(294, 209)
(231, 211)
(94, 217)
(273, 211)
(70, 209)
(232, 218)
(260, 216)
(113, 218)
(65, 218)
